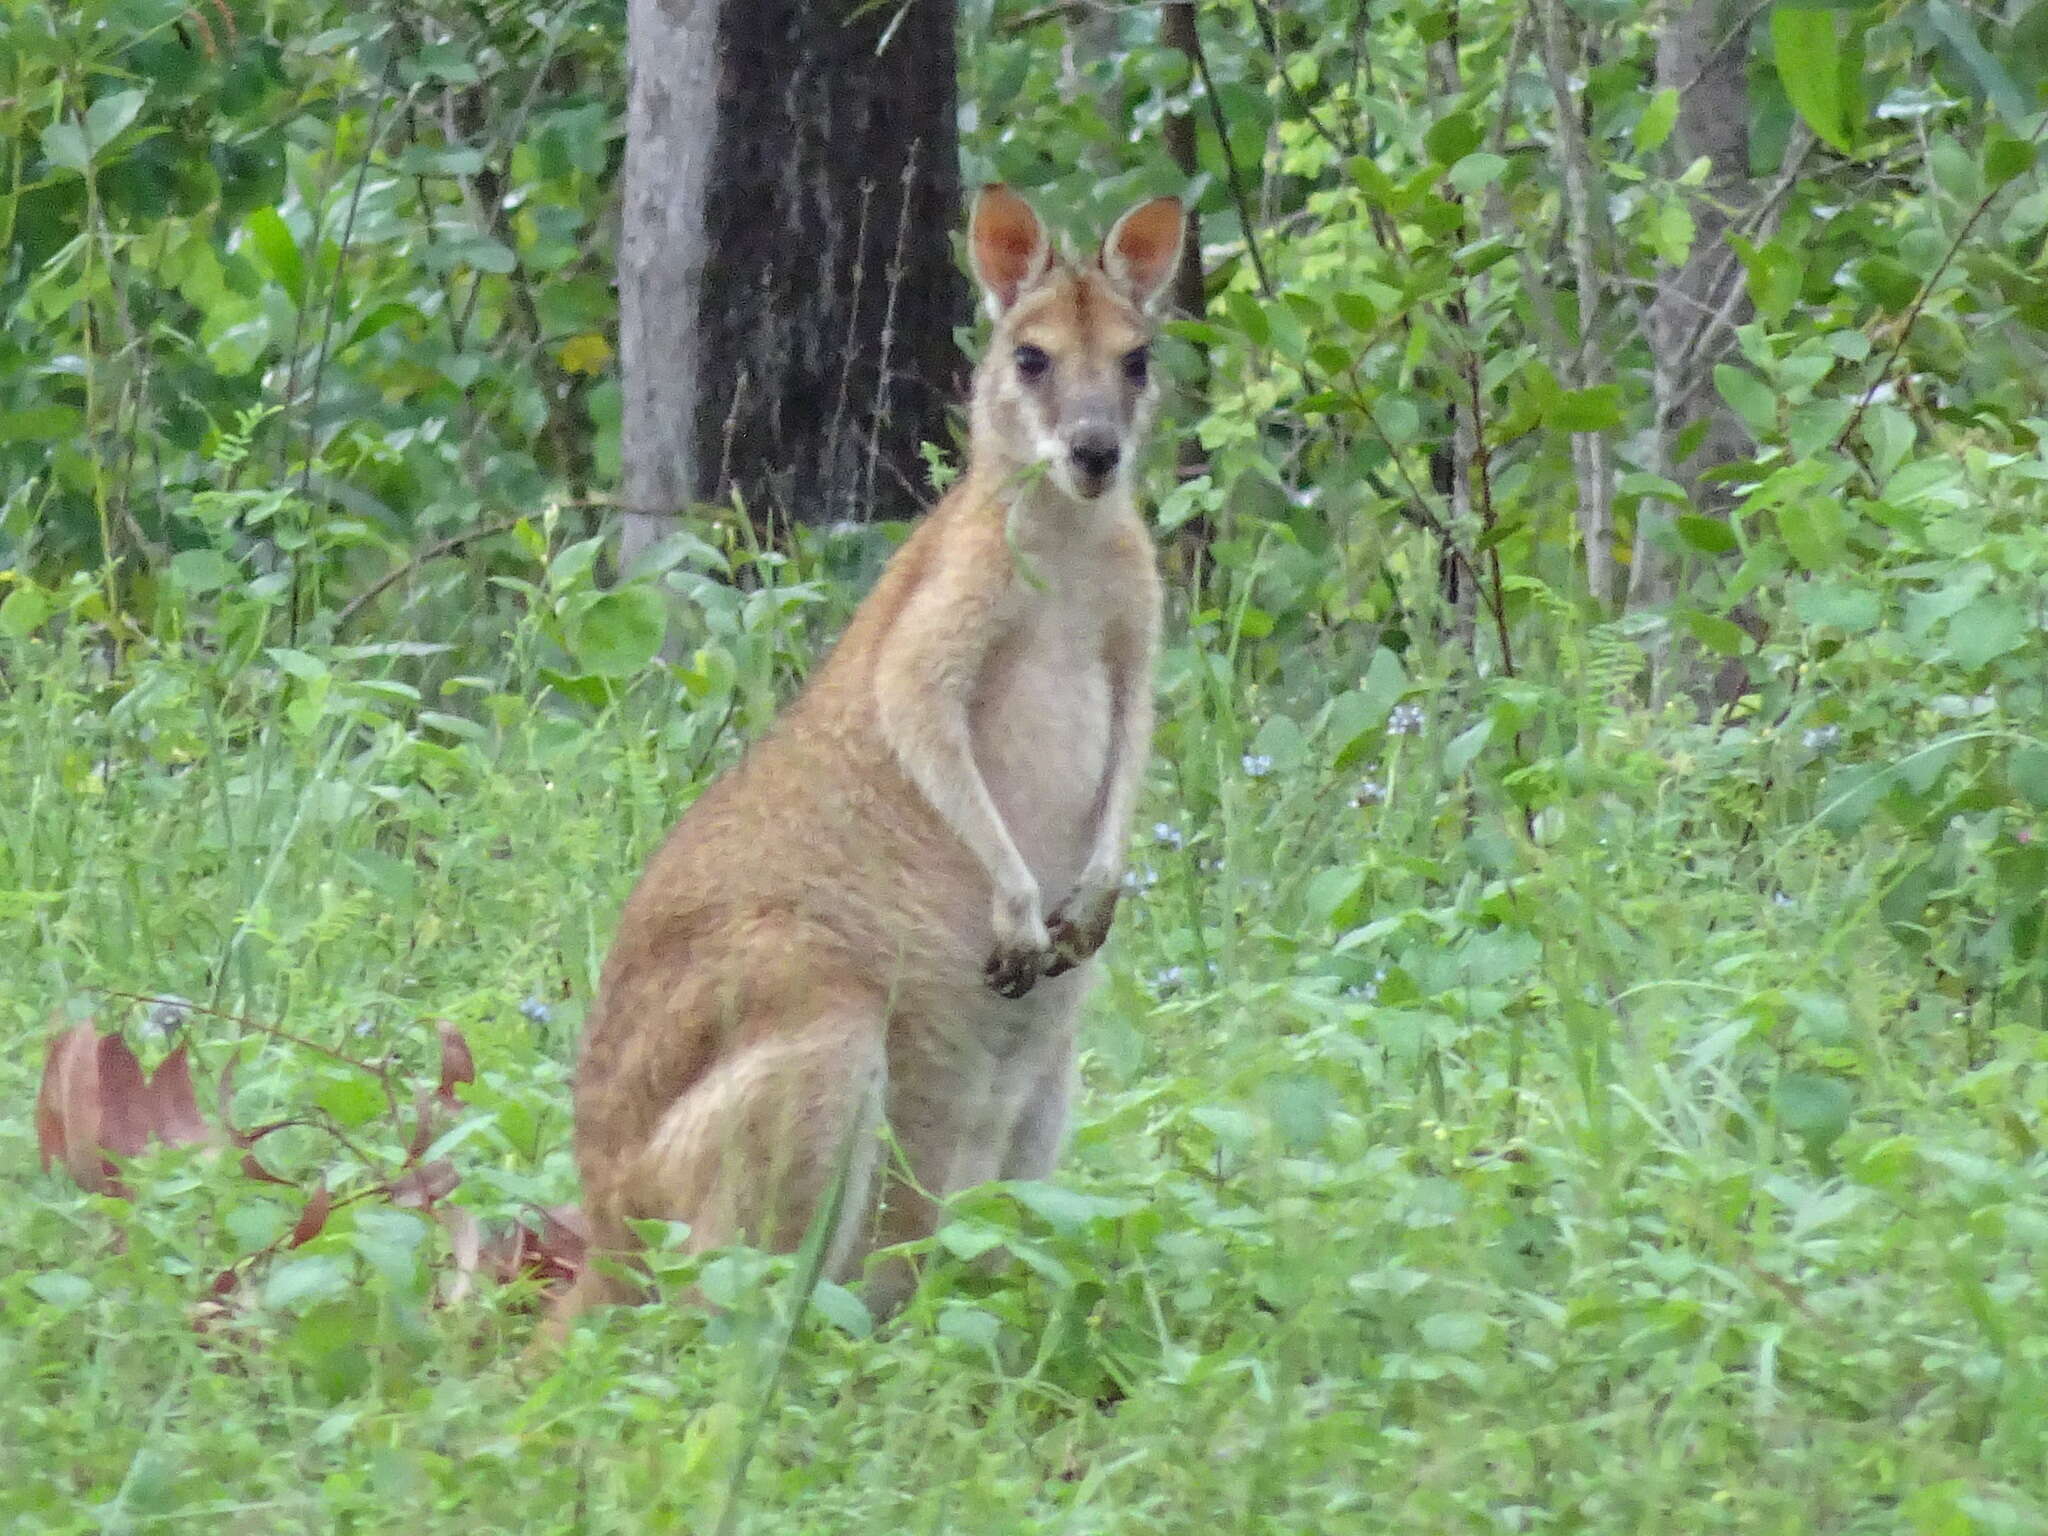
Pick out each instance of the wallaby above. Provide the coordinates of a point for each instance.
(883, 913)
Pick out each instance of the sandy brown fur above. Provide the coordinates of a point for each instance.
(942, 810)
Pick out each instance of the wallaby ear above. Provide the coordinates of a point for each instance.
(1142, 250)
(1007, 245)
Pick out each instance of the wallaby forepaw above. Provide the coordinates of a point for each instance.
(1013, 971)
(1078, 929)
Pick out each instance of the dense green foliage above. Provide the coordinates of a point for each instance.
(1514, 1104)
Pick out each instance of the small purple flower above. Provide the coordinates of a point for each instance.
(1256, 765)
(1369, 792)
(536, 1011)
(1167, 835)
(1406, 720)
(1142, 878)
(1169, 979)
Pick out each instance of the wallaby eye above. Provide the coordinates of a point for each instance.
(1032, 362)
(1135, 363)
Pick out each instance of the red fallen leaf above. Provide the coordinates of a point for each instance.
(174, 1111)
(256, 1170)
(92, 1100)
(312, 1218)
(457, 1066)
(422, 1186)
(67, 1102)
(225, 1281)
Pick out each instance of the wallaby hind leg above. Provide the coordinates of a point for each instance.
(751, 1151)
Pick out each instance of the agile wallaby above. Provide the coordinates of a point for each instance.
(883, 912)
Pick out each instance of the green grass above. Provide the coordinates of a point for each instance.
(1613, 1169)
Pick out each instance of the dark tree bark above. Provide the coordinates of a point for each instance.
(804, 246)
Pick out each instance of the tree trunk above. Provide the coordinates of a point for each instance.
(787, 287)
(1703, 54)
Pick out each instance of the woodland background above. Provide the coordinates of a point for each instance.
(1573, 1055)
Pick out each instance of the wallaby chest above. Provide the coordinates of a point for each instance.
(1043, 717)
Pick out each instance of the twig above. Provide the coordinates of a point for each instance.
(434, 551)
(1238, 195)
(1920, 300)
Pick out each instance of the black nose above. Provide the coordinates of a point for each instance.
(1096, 457)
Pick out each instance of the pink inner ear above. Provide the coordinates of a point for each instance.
(1006, 239)
(1142, 246)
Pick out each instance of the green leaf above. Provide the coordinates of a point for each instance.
(1815, 531)
(61, 1288)
(2028, 772)
(24, 611)
(203, 570)
(64, 146)
(2006, 158)
(1990, 75)
(1708, 535)
(1821, 77)
(620, 632)
(39, 424)
(1330, 892)
(1356, 311)
(105, 118)
(1464, 747)
(1451, 139)
(1888, 282)
(1751, 398)
(1987, 629)
(1835, 606)
(1716, 633)
(273, 240)
(1813, 1107)
(1594, 409)
(1658, 118)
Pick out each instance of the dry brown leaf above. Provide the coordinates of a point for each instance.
(174, 1109)
(422, 1186)
(457, 1066)
(312, 1218)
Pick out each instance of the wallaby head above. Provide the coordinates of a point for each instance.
(1067, 384)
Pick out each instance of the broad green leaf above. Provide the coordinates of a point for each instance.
(2028, 772)
(1813, 1107)
(1594, 409)
(1815, 531)
(1715, 633)
(39, 424)
(1991, 76)
(1753, 400)
(1987, 629)
(620, 632)
(1708, 535)
(1461, 749)
(24, 611)
(1836, 606)
(105, 118)
(1451, 139)
(203, 570)
(280, 252)
(1821, 76)
(2006, 158)
(1658, 118)
(64, 146)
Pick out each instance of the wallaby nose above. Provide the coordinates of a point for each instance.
(1095, 455)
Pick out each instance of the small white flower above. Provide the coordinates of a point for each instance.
(1406, 720)
(1167, 835)
(1822, 738)
(1256, 765)
(1369, 792)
